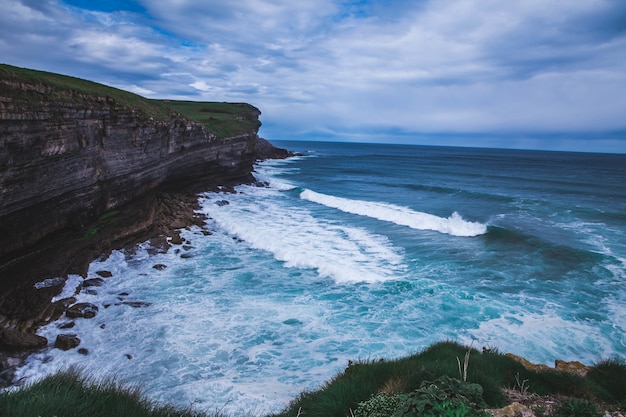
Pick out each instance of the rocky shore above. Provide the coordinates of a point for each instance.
(86, 169)
(157, 217)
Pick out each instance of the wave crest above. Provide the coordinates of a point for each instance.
(454, 225)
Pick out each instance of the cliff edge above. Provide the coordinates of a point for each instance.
(74, 153)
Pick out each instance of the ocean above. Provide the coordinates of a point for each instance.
(361, 252)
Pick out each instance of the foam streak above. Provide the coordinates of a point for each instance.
(453, 225)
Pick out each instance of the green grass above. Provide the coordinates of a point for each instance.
(68, 394)
(223, 119)
(492, 370)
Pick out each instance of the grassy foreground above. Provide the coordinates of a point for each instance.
(446, 379)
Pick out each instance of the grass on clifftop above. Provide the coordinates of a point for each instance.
(69, 394)
(223, 119)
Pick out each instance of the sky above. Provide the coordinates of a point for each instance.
(530, 74)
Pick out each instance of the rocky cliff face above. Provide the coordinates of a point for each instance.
(69, 155)
(65, 163)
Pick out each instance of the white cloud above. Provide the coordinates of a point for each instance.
(430, 66)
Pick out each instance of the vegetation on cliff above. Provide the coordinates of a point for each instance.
(446, 379)
(222, 119)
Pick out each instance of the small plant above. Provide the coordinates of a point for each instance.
(380, 405)
(465, 365)
(577, 408)
(459, 398)
(521, 385)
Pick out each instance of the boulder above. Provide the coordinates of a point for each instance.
(14, 339)
(573, 367)
(529, 365)
(93, 282)
(514, 409)
(105, 274)
(66, 341)
(84, 310)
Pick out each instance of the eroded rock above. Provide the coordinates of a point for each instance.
(82, 310)
(14, 339)
(66, 341)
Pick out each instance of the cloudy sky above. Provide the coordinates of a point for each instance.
(546, 74)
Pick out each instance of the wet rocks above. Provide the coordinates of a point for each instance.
(11, 339)
(105, 274)
(93, 282)
(66, 341)
(84, 310)
(159, 267)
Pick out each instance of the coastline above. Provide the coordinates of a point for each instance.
(156, 217)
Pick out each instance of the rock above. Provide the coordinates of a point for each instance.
(176, 239)
(137, 304)
(529, 365)
(84, 310)
(7, 376)
(67, 325)
(93, 282)
(514, 409)
(159, 267)
(128, 356)
(14, 339)
(186, 256)
(83, 351)
(105, 274)
(66, 341)
(573, 367)
(222, 203)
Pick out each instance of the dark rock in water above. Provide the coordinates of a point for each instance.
(7, 376)
(159, 267)
(67, 325)
(187, 247)
(105, 274)
(222, 203)
(263, 149)
(137, 304)
(186, 255)
(93, 282)
(103, 326)
(292, 322)
(84, 310)
(83, 351)
(176, 239)
(66, 341)
(262, 184)
(128, 356)
(13, 339)
(123, 294)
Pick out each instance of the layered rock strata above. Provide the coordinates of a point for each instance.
(82, 173)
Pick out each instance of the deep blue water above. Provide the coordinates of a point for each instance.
(361, 251)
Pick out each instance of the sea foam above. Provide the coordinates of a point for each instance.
(293, 235)
(453, 225)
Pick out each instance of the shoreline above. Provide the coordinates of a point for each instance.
(155, 217)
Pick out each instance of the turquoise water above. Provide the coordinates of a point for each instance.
(365, 251)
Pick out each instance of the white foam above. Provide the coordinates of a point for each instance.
(545, 335)
(453, 225)
(294, 236)
(69, 290)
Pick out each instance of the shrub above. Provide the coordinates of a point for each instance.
(611, 375)
(577, 408)
(380, 405)
(445, 396)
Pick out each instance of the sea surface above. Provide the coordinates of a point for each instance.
(358, 251)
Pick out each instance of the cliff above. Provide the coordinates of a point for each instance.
(72, 150)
